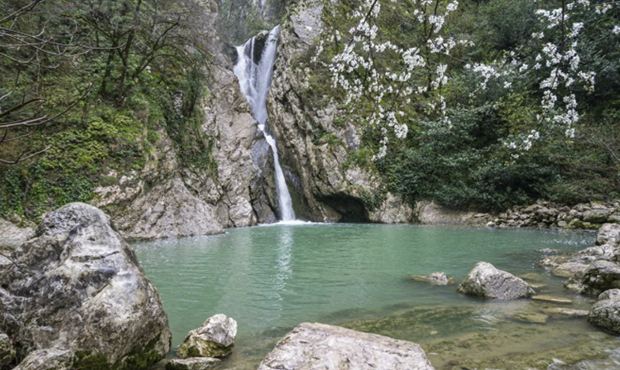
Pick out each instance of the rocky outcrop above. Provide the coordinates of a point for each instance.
(12, 235)
(486, 281)
(606, 312)
(545, 214)
(431, 213)
(316, 149)
(75, 297)
(215, 338)
(600, 276)
(319, 346)
(593, 269)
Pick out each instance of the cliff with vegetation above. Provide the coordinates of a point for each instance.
(133, 107)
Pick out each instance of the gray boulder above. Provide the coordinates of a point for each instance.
(601, 276)
(192, 363)
(609, 234)
(12, 235)
(215, 338)
(7, 352)
(486, 281)
(319, 346)
(606, 312)
(75, 297)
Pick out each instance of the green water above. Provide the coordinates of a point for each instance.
(271, 278)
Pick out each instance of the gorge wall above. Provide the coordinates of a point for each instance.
(168, 199)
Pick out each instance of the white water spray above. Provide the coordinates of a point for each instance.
(255, 81)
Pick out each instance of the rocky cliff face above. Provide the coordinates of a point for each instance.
(325, 185)
(168, 199)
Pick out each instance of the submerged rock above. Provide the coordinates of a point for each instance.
(564, 312)
(76, 298)
(215, 338)
(551, 299)
(486, 281)
(319, 346)
(192, 363)
(435, 278)
(606, 312)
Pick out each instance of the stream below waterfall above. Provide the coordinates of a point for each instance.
(270, 278)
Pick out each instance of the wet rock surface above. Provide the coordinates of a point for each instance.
(319, 346)
(605, 313)
(486, 281)
(435, 278)
(75, 297)
(215, 338)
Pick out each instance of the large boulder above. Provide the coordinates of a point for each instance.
(600, 276)
(319, 346)
(606, 312)
(486, 281)
(608, 234)
(215, 338)
(76, 298)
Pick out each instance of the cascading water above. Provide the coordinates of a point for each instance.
(255, 81)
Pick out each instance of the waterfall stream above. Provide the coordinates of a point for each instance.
(255, 81)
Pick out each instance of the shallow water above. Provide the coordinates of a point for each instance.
(271, 278)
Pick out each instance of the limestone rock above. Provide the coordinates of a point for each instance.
(192, 363)
(77, 298)
(565, 312)
(215, 338)
(609, 234)
(551, 299)
(601, 276)
(7, 352)
(486, 281)
(606, 312)
(319, 346)
(435, 278)
(431, 213)
(12, 235)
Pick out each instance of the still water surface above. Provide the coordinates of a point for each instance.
(270, 278)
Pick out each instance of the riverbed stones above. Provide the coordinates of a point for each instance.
(192, 363)
(486, 281)
(605, 313)
(434, 278)
(326, 347)
(76, 298)
(215, 338)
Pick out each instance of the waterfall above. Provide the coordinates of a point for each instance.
(255, 81)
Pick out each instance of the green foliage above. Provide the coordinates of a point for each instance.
(466, 165)
(113, 99)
